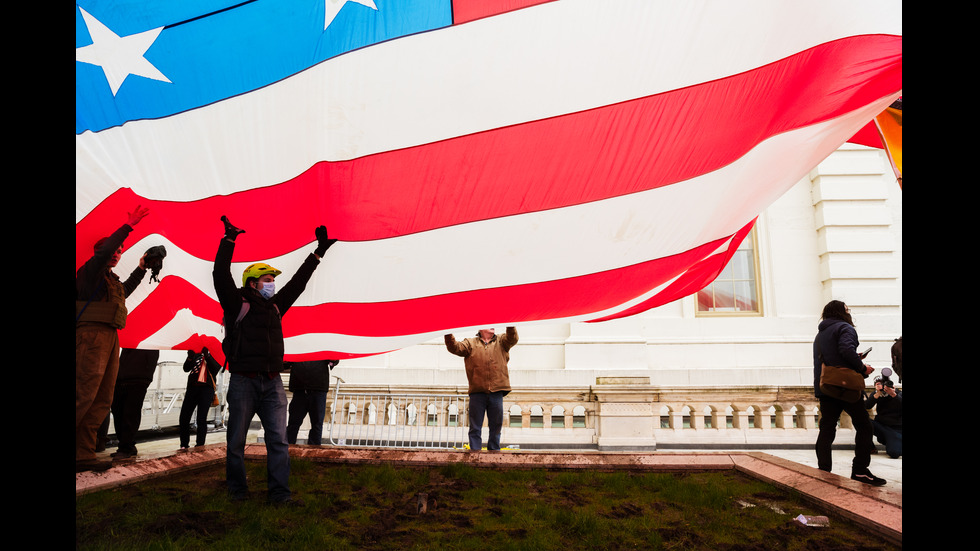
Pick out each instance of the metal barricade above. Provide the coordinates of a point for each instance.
(397, 420)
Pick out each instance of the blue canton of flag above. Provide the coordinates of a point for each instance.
(137, 60)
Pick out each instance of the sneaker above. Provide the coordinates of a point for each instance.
(868, 478)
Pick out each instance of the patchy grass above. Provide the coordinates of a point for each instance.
(376, 507)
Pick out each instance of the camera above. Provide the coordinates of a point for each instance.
(885, 378)
(154, 261)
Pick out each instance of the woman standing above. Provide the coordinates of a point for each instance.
(836, 344)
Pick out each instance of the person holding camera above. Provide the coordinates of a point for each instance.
(887, 423)
(100, 312)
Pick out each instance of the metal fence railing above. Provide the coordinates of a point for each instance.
(163, 400)
(397, 420)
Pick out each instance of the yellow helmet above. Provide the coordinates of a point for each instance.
(258, 270)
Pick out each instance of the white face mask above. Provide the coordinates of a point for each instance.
(267, 289)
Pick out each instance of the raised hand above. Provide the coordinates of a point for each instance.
(231, 231)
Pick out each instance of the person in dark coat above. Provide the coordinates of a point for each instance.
(136, 369)
(836, 344)
(254, 347)
(201, 369)
(309, 383)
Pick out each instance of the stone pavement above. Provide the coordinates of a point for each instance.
(881, 465)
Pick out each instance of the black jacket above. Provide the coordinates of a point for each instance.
(836, 344)
(255, 344)
(137, 366)
(314, 375)
(192, 367)
(889, 412)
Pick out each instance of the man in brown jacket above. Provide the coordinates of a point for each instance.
(486, 357)
(100, 312)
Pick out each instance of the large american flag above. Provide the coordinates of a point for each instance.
(482, 162)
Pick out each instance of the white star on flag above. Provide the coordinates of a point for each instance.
(333, 8)
(118, 56)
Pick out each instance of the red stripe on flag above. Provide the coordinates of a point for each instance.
(570, 297)
(693, 280)
(567, 160)
(469, 10)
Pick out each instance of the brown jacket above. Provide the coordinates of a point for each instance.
(486, 363)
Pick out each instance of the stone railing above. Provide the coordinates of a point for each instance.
(614, 414)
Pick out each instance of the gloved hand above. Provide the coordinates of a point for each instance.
(323, 242)
(153, 261)
(231, 232)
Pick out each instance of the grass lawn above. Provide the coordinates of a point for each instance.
(360, 507)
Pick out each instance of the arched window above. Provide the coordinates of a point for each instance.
(537, 417)
(557, 417)
(431, 415)
(515, 416)
(708, 417)
(665, 417)
(453, 415)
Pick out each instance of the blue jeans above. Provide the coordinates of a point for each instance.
(312, 402)
(492, 405)
(890, 437)
(265, 396)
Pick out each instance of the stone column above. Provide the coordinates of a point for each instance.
(625, 414)
(860, 258)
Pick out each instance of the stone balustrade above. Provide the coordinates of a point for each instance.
(614, 414)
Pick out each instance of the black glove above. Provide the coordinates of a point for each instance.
(231, 232)
(323, 242)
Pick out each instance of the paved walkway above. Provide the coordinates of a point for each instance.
(881, 465)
